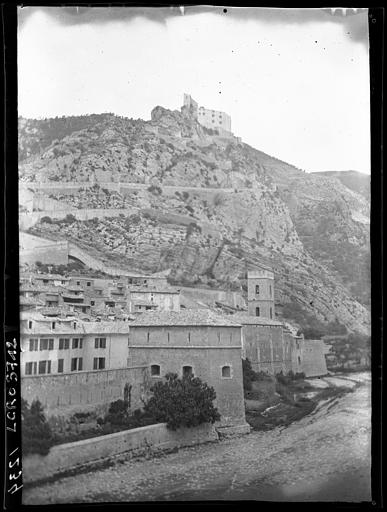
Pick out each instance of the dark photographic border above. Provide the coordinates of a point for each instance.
(10, 252)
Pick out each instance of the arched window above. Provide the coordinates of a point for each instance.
(226, 372)
(155, 370)
(187, 371)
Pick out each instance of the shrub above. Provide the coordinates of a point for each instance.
(46, 220)
(118, 413)
(154, 189)
(189, 208)
(219, 199)
(185, 402)
(249, 374)
(133, 219)
(37, 436)
(69, 219)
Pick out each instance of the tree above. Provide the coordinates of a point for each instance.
(248, 375)
(36, 432)
(185, 402)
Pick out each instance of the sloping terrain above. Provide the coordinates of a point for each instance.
(209, 208)
(354, 180)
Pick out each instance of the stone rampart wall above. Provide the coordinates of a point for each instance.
(71, 455)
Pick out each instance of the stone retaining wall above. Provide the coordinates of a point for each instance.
(65, 457)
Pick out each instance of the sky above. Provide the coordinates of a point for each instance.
(295, 82)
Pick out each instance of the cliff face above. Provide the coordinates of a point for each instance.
(210, 208)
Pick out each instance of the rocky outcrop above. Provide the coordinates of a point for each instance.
(312, 229)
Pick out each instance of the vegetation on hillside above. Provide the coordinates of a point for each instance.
(310, 326)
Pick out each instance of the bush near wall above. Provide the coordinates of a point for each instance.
(186, 402)
(37, 436)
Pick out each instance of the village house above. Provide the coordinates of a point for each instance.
(73, 366)
(164, 298)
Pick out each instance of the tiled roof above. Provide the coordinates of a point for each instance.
(56, 277)
(74, 287)
(153, 289)
(253, 320)
(26, 301)
(143, 303)
(39, 287)
(54, 311)
(189, 317)
(104, 327)
(65, 326)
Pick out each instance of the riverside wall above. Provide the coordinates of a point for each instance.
(65, 457)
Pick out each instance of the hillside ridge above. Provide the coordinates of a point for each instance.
(243, 206)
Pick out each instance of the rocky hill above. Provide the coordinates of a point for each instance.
(356, 181)
(207, 206)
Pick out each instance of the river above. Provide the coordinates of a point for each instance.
(326, 456)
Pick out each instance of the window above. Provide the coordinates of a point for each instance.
(92, 302)
(100, 343)
(64, 343)
(271, 291)
(147, 337)
(99, 363)
(74, 325)
(226, 372)
(88, 283)
(77, 342)
(33, 344)
(46, 344)
(299, 360)
(187, 371)
(30, 368)
(189, 337)
(44, 367)
(219, 337)
(271, 312)
(53, 325)
(257, 312)
(60, 365)
(76, 364)
(43, 345)
(78, 283)
(169, 337)
(29, 324)
(155, 370)
(257, 289)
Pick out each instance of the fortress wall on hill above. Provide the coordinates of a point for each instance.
(26, 220)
